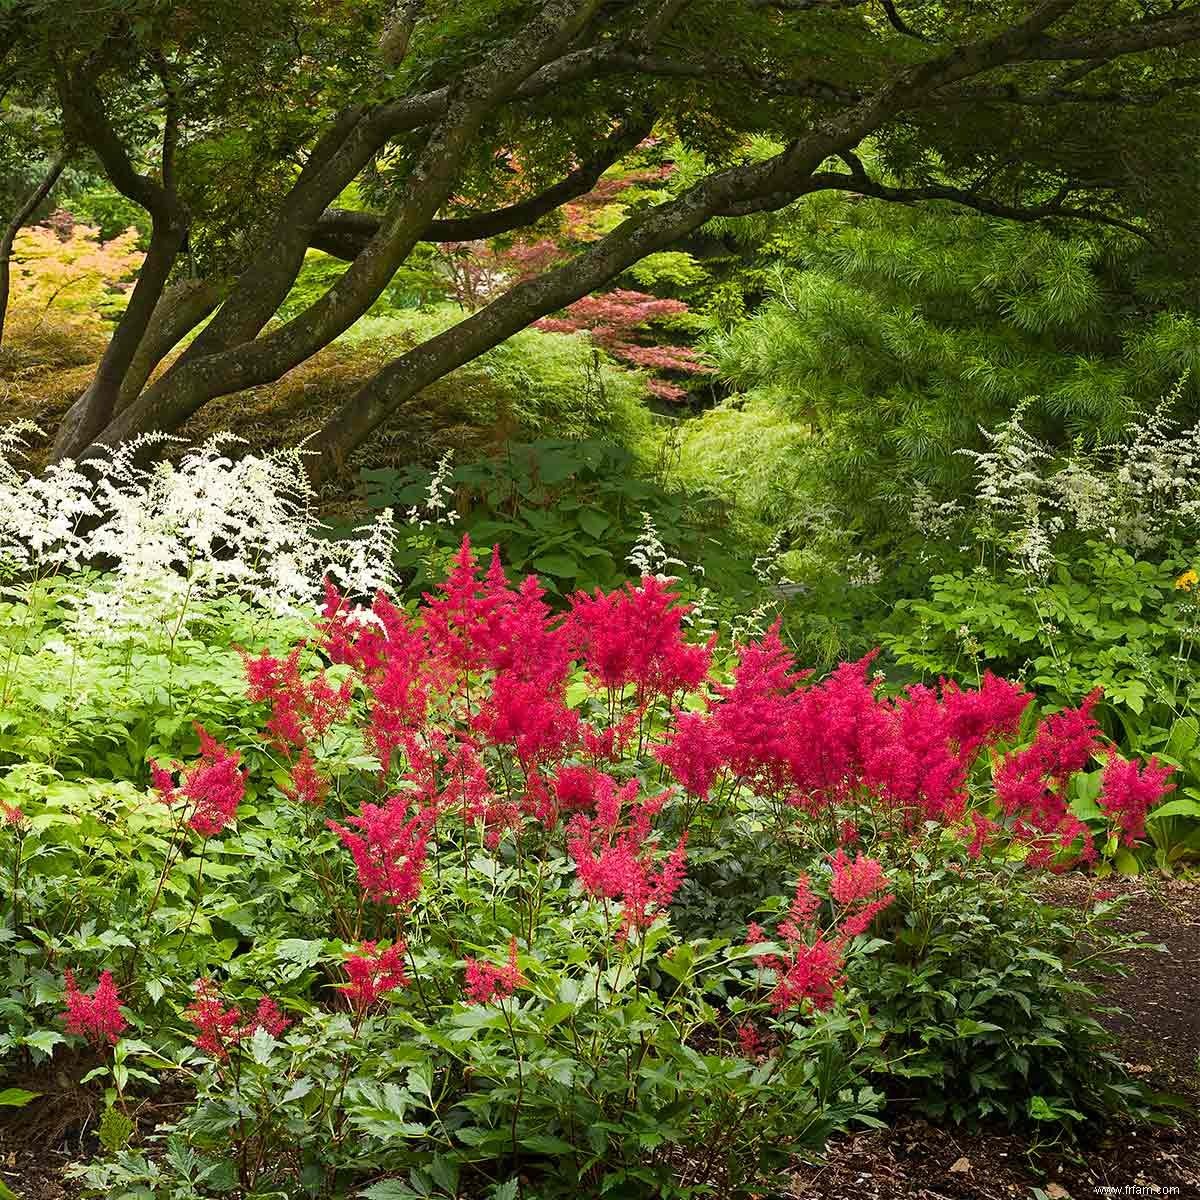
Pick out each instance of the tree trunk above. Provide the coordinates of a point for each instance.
(23, 213)
(181, 308)
(97, 406)
(238, 362)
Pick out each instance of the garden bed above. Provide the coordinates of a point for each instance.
(912, 1159)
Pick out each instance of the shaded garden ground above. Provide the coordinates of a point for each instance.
(912, 1160)
(1160, 1042)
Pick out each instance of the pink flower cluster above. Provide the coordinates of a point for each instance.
(810, 973)
(619, 859)
(95, 1015)
(466, 711)
(390, 851)
(220, 1028)
(211, 788)
(373, 973)
(487, 983)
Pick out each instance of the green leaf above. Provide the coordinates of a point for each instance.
(1125, 863)
(1181, 807)
(115, 1130)
(561, 565)
(543, 1143)
(261, 1046)
(44, 1040)
(6, 1193)
(16, 1097)
(593, 521)
(389, 1189)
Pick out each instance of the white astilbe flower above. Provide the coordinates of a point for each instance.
(936, 519)
(862, 570)
(363, 565)
(1009, 474)
(437, 508)
(212, 527)
(649, 556)
(1135, 492)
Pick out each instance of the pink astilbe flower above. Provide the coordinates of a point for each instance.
(487, 983)
(694, 753)
(1128, 792)
(751, 723)
(609, 743)
(811, 972)
(860, 878)
(12, 815)
(373, 973)
(811, 975)
(749, 1041)
(1031, 784)
(268, 1016)
(212, 787)
(460, 623)
(95, 1016)
(221, 1028)
(301, 709)
(390, 852)
(978, 832)
(308, 786)
(620, 863)
(522, 714)
(980, 718)
(634, 636)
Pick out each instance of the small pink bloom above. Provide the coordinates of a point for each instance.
(486, 982)
(96, 1016)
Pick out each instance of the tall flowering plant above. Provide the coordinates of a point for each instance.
(500, 918)
(606, 743)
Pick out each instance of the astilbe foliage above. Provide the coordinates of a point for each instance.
(464, 706)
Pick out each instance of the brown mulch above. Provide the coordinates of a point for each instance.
(1160, 1042)
(912, 1159)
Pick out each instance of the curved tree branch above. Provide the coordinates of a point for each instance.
(345, 233)
(24, 211)
(1056, 207)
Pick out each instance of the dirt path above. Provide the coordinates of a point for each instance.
(1160, 1031)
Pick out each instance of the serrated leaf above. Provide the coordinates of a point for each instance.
(44, 1040)
(262, 1044)
(544, 1143)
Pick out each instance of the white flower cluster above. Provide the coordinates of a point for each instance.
(169, 536)
(1135, 492)
(649, 556)
(438, 507)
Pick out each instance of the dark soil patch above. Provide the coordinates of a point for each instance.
(38, 1141)
(1160, 1043)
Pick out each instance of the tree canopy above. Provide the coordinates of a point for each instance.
(251, 133)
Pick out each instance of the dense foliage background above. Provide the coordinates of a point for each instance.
(830, 375)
